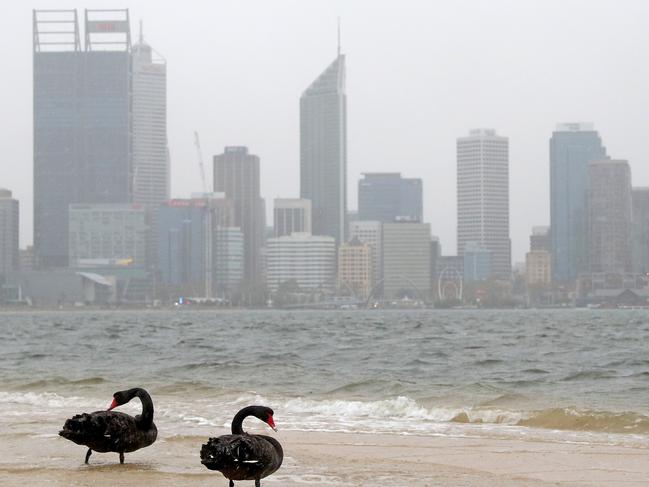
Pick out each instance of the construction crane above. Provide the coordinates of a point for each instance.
(199, 152)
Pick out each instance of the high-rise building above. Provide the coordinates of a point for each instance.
(236, 174)
(228, 261)
(540, 239)
(483, 197)
(387, 197)
(151, 182)
(185, 246)
(640, 203)
(477, 262)
(103, 233)
(406, 260)
(9, 231)
(610, 217)
(371, 233)
(82, 120)
(291, 215)
(308, 261)
(355, 268)
(572, 147)
(538, 261)
(323, 150)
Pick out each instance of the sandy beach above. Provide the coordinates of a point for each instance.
(340, 459)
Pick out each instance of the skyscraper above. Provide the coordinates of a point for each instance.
(640, 203)
(483, 197)
(151, 184)
(291, 215)
(323, 150)
(610, 217)
(9, 228)
(82, 120)
(387, 197)
(236, 174)
(572, 147)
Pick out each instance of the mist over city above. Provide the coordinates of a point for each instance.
(410, 238)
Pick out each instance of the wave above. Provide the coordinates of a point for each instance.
(573, 419)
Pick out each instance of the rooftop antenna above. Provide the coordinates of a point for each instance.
(338, 36)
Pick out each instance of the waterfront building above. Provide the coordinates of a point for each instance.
(387, 197)
(572, 147)
(640, 233)
(107, 233)
(307, 261)
(9, 232)
(477, 262)
(371, 233)
(228, 261)
(82, 98)
(236, 175)
(406, 260)
(483, 197)
(355, 265)
(610, 217)
(291, 215)
(323, 150)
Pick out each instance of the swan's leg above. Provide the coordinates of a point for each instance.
(257, 483)
(231, 484)
(121, 457)
(88, 455)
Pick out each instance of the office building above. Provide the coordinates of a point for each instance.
(483, 197)
(291, 215)
(9, 232)
(228, 261)
(477, 263)
(82, 120)
(355, 265)
(307, 261)
(640, 234)
(406, 260)
(387, 197)
(371, 233)
(101, 234)
(323, 150)
(572, 147)
(610, 217)
(541, 239)
(236, 175)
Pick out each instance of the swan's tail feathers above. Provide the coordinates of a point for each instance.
(218, 454)
(82, 428)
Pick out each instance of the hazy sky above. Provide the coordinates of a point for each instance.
(419, 74)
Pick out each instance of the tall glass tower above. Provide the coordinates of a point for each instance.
(572, 147)
(82, 120)
(323, 150)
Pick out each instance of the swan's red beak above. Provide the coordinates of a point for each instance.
(113, 404)
(271, 422)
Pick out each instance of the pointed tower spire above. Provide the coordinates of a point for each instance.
(339, 36)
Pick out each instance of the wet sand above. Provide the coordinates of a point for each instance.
(337, 459)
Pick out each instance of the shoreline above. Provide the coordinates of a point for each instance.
(314, 458)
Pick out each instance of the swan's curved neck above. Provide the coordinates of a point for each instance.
(146, 418)
(237, 422)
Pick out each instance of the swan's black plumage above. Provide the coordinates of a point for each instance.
(112, 431)
(241, 456)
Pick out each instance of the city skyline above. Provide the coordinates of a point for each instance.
(423, 157)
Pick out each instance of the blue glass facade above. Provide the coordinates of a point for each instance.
(181, 244)
(572, 148)
(387, 197)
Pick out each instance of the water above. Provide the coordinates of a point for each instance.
(564, 375)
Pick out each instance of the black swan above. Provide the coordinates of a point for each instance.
(241, 456)
(105, 431)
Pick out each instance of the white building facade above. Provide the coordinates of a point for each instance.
(483, 197)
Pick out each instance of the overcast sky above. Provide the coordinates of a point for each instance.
(419, 74)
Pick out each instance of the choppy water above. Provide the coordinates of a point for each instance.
(569, 375)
